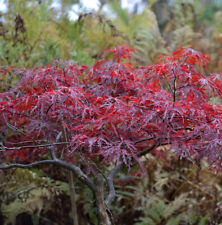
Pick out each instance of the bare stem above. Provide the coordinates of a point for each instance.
(3, 148)
(52, 152)
(111, 189)
(72, 188)
(73, 199)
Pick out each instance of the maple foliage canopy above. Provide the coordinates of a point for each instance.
(114, 112)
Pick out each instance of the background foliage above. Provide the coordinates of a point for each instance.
(33, 33)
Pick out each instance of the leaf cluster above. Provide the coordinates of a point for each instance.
(114, 112)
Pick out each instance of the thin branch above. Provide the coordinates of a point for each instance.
(30, 165)
(25, 142)
(174, 86)
(113, 172)
(111, 188)
(73, 199)
(64, 138)
(3, 148)
(195, 136)
(71, 181)
(13, 127)
(78, 172)
(144, 139)
(52, 152)
(58, 136)
(184, 86)
(52, 148)
(49, 108)
(147, 150)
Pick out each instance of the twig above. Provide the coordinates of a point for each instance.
(3, 148)
(52, 152)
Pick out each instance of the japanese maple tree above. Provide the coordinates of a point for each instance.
(81, 117)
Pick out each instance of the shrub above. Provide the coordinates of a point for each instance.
(90, 119)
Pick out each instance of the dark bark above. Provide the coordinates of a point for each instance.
(104, 214)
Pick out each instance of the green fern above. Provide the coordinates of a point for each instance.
(29, 193)
(157, 212)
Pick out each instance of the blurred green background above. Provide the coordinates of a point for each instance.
(33, 33)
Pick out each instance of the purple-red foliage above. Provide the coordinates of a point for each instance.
(113, 111)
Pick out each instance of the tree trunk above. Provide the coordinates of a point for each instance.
(104, 214)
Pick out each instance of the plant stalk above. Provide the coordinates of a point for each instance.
(73, 199)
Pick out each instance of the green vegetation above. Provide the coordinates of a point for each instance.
(33, 33)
